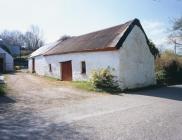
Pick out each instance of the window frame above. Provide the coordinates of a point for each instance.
(83, 67)
(50, 68)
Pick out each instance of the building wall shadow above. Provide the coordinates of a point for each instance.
(170, 92)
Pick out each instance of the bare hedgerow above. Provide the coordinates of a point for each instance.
(169, 68)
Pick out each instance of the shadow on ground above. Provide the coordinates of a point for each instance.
(170, 92)
(20, 123)
(6, 100)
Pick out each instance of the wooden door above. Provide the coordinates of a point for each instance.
(1, 65)
(33, 65)
(66, 71)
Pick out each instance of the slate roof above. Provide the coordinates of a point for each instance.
(103, 40)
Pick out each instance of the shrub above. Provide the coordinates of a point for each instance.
(2, 89)
(161, 77)
(169, 68)
(173, 71)
(103, 79)
(154, 50)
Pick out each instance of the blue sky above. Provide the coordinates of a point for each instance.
(76, 17)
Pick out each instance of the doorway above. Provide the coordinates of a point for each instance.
(66, 71)
(1, 65)
(33, 65)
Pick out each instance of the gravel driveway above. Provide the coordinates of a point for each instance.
(37, 108)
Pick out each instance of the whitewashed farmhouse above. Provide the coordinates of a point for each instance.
(6, 60)
(123, 48)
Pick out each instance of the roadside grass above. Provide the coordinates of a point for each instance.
(83, 85)
(86, 85)
(49, 78)
(3, 89)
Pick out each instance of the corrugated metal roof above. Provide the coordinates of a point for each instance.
(43, 49)
(5, 47)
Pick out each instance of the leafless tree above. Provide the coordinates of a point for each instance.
(12, 38)
(33, 38)
(176, 30)
(177, 27)
(176, 34)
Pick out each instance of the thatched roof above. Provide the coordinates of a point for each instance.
(103, 40)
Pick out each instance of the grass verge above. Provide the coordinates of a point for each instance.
(2, 89)
(89, 87)
(83, 85)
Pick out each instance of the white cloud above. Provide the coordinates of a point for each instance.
(156, 31)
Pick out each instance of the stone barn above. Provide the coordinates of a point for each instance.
(123, 48)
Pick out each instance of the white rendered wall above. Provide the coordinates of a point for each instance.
(94, 61)
(30, 64)
(9, 62)
(136, 61)
(133, 62)
(41, 65)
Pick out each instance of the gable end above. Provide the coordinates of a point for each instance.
(127, 32)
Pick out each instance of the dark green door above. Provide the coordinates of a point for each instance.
(1, 65)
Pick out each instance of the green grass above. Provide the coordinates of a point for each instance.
(89, 87)
(2, 89)
(83, 85)
(50, 78)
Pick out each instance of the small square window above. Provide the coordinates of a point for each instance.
(50, 68)
(83, 67)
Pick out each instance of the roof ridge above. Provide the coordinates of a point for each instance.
(104, 39)
(59, 43)
(107, 28)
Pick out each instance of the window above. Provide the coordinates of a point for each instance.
(83, 67)
(50, 68)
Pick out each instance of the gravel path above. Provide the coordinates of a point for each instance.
(29, 109)
(36, 108)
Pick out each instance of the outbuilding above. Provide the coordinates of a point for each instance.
(6, 60)
(123, 48)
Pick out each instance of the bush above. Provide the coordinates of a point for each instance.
(154, 50)
(173, 71)
(104, 80)
(2, 89)
(161, 77)
(169, 68)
